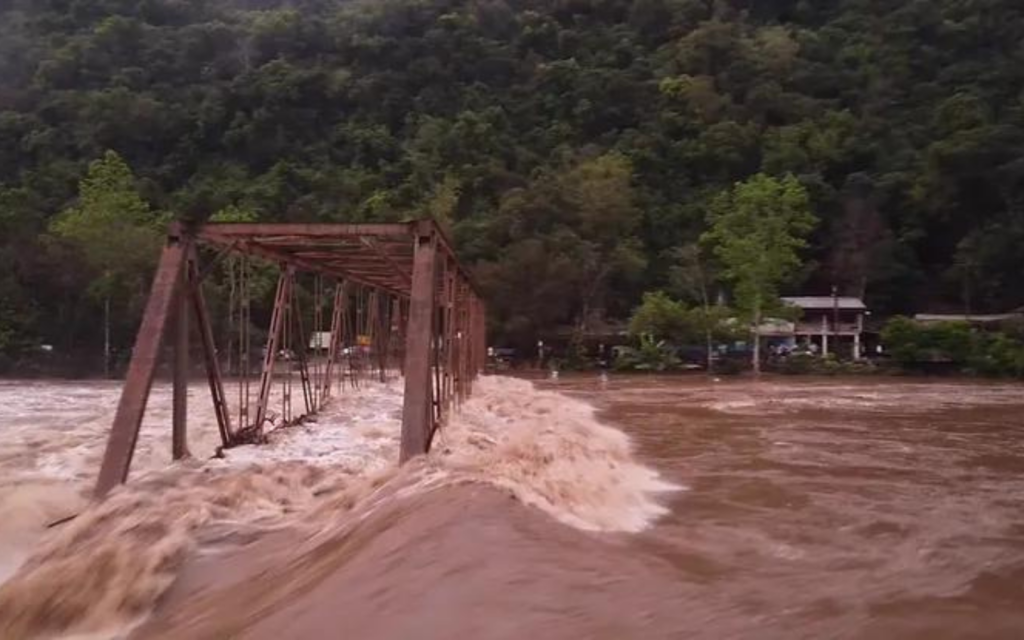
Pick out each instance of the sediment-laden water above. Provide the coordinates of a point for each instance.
(637, 508)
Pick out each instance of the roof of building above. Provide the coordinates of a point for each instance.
(825, 302)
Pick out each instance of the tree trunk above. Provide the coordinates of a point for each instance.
(106, 336)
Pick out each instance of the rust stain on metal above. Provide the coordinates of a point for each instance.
(415, 313)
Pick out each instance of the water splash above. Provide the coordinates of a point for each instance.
(105, 570)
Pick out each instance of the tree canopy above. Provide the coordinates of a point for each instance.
(571, 146)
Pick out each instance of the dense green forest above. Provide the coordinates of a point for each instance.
(573, 146)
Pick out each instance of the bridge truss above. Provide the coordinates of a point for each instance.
(398, 299)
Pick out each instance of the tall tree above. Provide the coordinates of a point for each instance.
(757, 229)
(691, 277)
(115, 232)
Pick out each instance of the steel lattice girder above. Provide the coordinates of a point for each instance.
(412, 262)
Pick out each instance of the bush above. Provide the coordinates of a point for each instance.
(998, 355)
(797, 364)
(650, 356)
(913, 344)
(806, 363)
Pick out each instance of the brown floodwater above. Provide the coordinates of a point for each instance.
(835, 508)
(786, 508)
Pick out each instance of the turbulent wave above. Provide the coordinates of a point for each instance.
(323, 487)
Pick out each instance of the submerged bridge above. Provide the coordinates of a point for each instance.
(397, 299)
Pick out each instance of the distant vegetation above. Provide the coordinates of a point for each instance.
(916, 346)
(576, 148)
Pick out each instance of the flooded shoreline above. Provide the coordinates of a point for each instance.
(643, 506)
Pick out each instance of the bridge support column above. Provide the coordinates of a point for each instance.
(179, 414)
(117, 459)
(417, 412)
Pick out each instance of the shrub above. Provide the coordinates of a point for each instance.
(912, 344)
(652, 355)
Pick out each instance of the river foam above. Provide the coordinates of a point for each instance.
(104, 571)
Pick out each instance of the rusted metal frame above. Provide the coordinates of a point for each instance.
(444, 244)
(299, 346)
(381, 332)
(458, 334)
(244, 341)
(316, 230)
(480, 334)
(351, 320)
(467, 378)
(355, 262)
(254, 432)
(379, 280)
(451, 335)
(124, 434)
(395, 334)
(384, 255)
(336, 341)
(438, 343)
(463, 338)
(334, 263)
(314, 361)
(359, 328)
(286, 344)
(225, 232)
(222, 252)
(368, 275)
(416, 403)
(472, 342)
(371, 327)
(179, 401)
(351, 332)
(384, 327)
(325, 268)
(210, 360)
(403, 323)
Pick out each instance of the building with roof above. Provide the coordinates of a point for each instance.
(831, 324)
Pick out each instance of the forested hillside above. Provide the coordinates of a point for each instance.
(573, 146)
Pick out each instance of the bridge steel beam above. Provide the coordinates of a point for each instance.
(131, 408)
(427, 319)
(417, 405)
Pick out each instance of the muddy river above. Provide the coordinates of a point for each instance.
(637, 507)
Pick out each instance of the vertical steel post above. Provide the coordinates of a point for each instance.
(117, 458)
(210, 359)
(300, 354)
(270, 356)
(335, 344)
(179, 409)
(449, 335)
(416, 407)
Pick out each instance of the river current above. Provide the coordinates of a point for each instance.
(637, 507)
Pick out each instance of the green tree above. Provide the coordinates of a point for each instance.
(757, 229)
(691, 276)
(662, 318)
(115, 232)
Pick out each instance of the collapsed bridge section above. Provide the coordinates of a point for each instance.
(397, 298)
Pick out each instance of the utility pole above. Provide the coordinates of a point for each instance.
(835, 317)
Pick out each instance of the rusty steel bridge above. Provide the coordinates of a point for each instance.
(398, 300)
